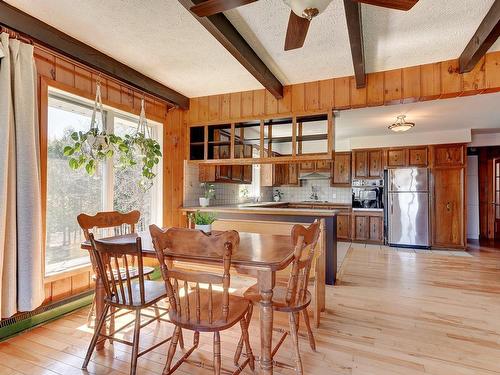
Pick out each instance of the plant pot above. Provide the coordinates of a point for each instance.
(204, 202)
(276, 198)
(205, 228)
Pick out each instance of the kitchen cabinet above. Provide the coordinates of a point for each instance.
(279, 175)
(316, 166)
(418, 156)
(360, 164)
(448, 229)
(344, 226)
(449, 155)
(323, 166)
(240, 174)
(368, 226)
(367, 163)
(307, 166)
(396, 157)
(342, 169)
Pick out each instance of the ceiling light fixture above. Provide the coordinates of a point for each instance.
(401, 125)
(307, 8)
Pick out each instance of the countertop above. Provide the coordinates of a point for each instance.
(269, 208)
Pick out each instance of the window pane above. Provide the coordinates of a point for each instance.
(69, 192)
(128, 195)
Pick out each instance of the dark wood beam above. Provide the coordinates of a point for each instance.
(49, 36)
(355, 30)
(486, 34)
(223, 30)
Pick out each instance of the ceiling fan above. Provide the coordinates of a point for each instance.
(301, 14)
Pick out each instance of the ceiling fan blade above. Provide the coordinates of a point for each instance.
(296, 31)
(393, 4)
(211, 7)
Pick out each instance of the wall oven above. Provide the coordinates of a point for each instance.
(368, 193)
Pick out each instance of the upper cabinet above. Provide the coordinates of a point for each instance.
(400, 157)
(341, 175)
(367, 163)
(449, 155)
(299, 138)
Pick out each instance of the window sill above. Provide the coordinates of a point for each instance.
(51, 277)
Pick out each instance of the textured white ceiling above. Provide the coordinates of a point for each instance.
(165, 42)
(159, 38)
(470, 112)
(433, 30)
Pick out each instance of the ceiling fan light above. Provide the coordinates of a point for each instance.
(307, 8)
(401, 125)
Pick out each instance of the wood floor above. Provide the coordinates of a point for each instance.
(393, 312)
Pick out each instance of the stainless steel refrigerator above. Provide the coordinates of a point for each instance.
(407, 209)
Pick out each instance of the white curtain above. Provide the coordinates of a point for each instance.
(21, 271)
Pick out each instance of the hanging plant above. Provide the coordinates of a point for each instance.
(90, 148)
(140, 147)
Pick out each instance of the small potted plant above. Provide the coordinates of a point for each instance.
(208, 192)
(202, 220)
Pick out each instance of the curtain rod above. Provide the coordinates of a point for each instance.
(16, 35)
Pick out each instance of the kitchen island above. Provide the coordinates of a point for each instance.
(278, 218)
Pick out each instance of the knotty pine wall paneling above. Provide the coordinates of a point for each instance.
(416, 83)
(62, 73)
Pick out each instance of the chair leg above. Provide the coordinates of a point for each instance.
(312, 342)
(239, 348)
(95, 337)
(155, 306)
(135, 343)
(244, 334)
(217, 359)
(295, 341)
(171, 349)
(91, 313)
(181, 339)
(112, 323)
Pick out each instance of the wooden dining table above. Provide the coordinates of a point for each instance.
(258, 255)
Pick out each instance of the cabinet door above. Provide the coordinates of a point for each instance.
(342, 169)
(237, 173)
(343, 226)
(247, 174)
(448, 155)
(375, 163)
(361, 227)
(449, 210)
(360, 163)
(206, 173)
(266, 174)
(376, 228)
(293, 174)
(417, 157)
(323, 166)
(307, 166)
(396, 157)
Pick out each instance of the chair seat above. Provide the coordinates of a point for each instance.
(153, 292)
(133, 271)
(238, 307)
(279, 298)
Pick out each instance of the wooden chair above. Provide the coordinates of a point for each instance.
(112, 223)
(112, 263)
(293, 297)
(197, 308)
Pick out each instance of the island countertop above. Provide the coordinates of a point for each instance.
(270, 208)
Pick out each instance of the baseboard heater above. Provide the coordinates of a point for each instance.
(27, 320)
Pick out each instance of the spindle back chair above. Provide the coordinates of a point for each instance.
(124, 291)
(200, 302)
(108, 224)
(294, 297)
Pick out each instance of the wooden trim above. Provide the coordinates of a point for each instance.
(49, 36)
(224, 31)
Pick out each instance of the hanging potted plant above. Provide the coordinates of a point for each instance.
(202, 221)
(140, 147)
(88, 149)
(208, 193)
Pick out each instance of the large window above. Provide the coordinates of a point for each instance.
(70, 192)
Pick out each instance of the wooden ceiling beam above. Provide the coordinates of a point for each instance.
(224, 31)
(484, 37)
(62, 43)
(355, 30)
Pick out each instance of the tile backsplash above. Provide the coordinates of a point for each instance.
(224, 193)
(323, 189)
